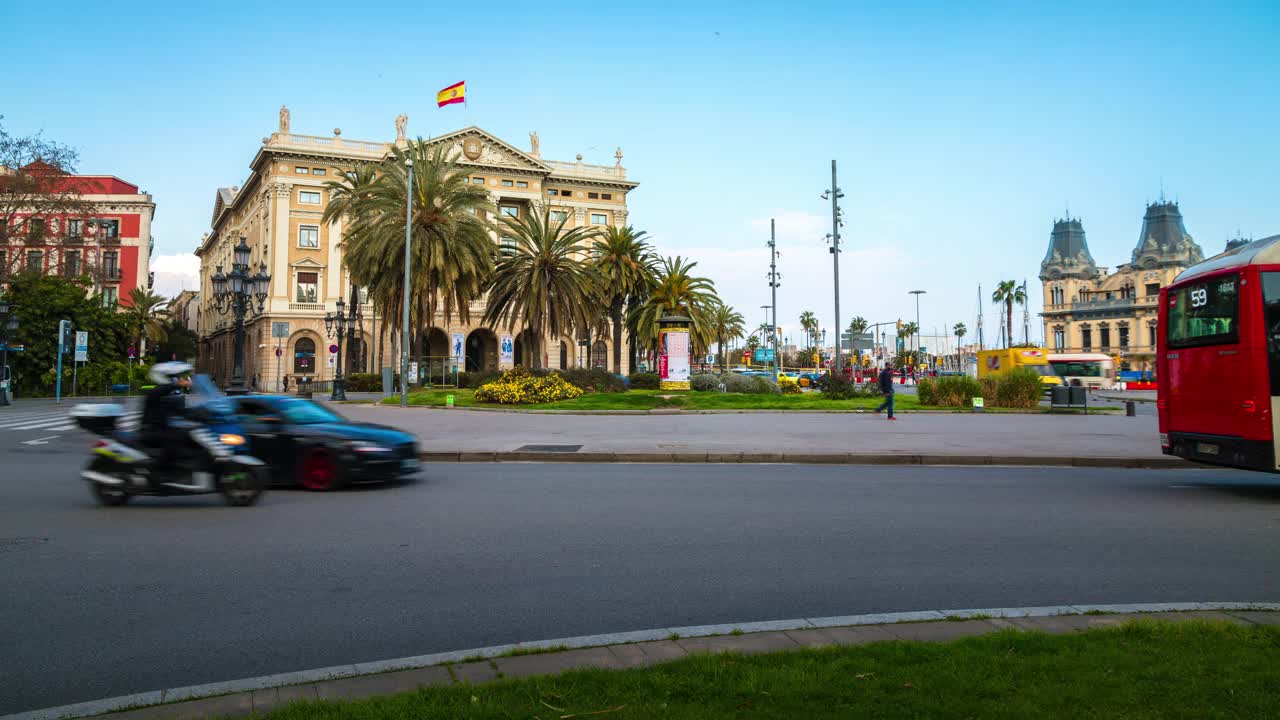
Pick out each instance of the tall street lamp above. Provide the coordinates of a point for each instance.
(235, 292)
(342, 324)
(404, 326)
(919, 353)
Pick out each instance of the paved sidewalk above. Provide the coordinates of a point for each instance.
(639, 649)
(981, 438)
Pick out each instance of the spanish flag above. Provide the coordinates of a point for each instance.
(455, 93)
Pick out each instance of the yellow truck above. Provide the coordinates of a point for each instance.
(998, 362)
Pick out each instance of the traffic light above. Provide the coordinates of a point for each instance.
(67, 336)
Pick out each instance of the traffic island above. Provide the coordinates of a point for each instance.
(1184, 660)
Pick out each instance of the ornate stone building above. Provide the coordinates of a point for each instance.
(1087, 309)
(278, 211)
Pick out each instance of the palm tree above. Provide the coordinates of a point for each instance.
(451, 251)
(625, 262)
(857, 326)
(145, 316)
(1009, 292)
(676, 291)
(727, 325)
(809, 323)
(959, 330)
(545, 282)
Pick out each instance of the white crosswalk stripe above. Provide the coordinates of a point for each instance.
(56, 421)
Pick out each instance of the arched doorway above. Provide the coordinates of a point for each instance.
(437, 346)
(304, 356)
(599, 355)
(524, 350)
(482, 351)
(564, 355)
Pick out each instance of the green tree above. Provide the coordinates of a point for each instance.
(37, 182)
(857, 326)
(727, 325)
(959, 330)
(451, 252)
(543, 282)
(40, 301)
(809, 323)
(676, 291)
(179, 343)
(1009, 292)
(146, 317)
(625, 263)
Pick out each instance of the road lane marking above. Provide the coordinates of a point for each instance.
(41, 441)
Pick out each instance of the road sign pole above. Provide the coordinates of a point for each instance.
(278, 353)
(63, 325)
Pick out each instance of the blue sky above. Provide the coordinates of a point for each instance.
(961, 133)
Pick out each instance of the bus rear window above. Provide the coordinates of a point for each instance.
(1204, 313)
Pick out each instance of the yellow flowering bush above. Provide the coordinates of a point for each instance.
(788, 386)
(521, 387)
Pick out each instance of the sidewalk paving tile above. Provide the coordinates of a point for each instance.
(941, 631)
(1060, 624)
(661, 650)
(630, 656)
(1209, 615)
(1258, 617)
(474, 672)
(557, 662)
(856, 634)
(749, 643)
(389, 683)
(236, 705)
(271, 698)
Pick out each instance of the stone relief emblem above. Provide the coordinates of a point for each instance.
(472, 148)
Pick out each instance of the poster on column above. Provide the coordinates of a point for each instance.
(675, 351)
(507, 354)
(459, 353)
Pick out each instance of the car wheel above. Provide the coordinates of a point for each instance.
(318, 470)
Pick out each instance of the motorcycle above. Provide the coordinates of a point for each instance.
(217, 461)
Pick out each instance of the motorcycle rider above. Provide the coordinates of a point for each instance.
(163, 404)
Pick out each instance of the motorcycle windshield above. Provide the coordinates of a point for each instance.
(204, 393)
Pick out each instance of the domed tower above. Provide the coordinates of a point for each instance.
(1164, 241)
(1237, 242)
(1067, 269)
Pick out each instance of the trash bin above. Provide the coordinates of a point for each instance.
(1078, 396)
(304, 388)
(1060, 395)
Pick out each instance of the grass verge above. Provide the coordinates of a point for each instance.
(1143, 669)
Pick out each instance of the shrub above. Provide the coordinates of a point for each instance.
(593, 379)
(522, 387)
(477, 379)
(1019, 388)
(838, 387)
(702, 382)
(949, 391)
(363, 382)
(734, 383)
(788, 386)
(648, 381)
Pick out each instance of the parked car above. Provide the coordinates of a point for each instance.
(309, 445)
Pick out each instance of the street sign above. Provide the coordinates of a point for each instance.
(13, 348)
(710, 359)
(331, 362)
(279, 329)
(278, 352)
(333, 349)
(82, 346)
(133, 352)
(765, 355)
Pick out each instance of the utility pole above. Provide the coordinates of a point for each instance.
(1026, 316)
(981, 345)
(773, 289)
(834, 195)
(404, 329)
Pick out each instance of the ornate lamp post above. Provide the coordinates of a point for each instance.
(342, 324)
(235, 292)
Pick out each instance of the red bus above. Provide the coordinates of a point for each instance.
(1218, 359)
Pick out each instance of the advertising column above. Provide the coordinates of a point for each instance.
(674, 360)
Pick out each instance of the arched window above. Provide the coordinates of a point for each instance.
(304, 356)
(599, 355)
(564, 355)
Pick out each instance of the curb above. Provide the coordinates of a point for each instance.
(238, 695)
(740, 411)
(1147, 463)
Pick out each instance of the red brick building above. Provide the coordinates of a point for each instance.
(108, 240)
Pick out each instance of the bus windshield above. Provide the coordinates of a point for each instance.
(1204, 313)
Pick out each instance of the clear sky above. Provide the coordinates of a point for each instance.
(960, 133)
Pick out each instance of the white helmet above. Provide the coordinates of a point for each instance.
(165, 372)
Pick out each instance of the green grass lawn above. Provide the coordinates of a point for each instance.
(655, 399)
(1144, 669)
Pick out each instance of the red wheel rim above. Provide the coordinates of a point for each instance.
(318, 471)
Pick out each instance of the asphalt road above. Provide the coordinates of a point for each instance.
(101, 602)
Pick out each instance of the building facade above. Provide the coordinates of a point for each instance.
(109, 242)
(185, 307)
(1087, 309)
(279, 213)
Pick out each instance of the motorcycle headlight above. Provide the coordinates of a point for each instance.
(364, 446)
(231, 439)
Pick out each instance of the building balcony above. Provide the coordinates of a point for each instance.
(70, 239)
(309, 307)
(112, 274)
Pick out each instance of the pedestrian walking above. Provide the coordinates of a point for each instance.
(285, 388)
(886, 387)
(253, 384)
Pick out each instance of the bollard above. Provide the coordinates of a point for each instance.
(1129, 408)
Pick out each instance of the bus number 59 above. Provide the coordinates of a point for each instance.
(1199, 297)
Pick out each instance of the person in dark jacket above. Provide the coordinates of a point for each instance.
(163, 404)
(886, 387)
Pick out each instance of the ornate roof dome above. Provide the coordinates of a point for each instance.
(1068, 253)
(1164, 239)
